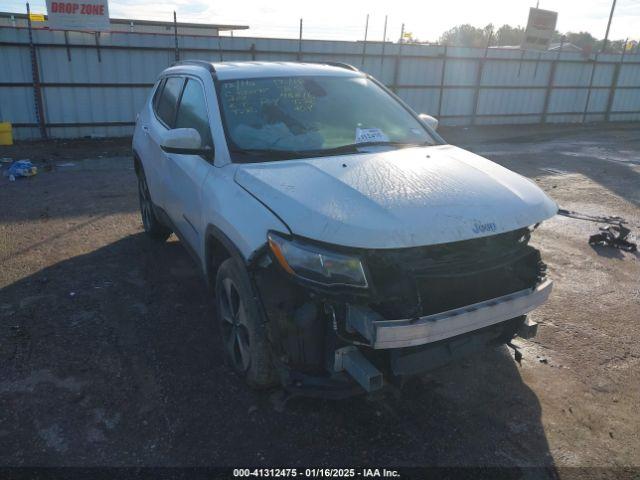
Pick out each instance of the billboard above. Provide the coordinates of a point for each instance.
(87, 15)
(540, 28)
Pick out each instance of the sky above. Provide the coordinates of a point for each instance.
(345, 19)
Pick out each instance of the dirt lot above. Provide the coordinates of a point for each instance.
(109, 353)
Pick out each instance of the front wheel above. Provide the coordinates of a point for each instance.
(152, 225)
(244, 334)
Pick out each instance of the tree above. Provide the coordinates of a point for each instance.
(584, 40)
(508, 35)
(467, 36)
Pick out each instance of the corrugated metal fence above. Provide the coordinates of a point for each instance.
(95, 84)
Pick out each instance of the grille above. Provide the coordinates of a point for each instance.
(424, 280)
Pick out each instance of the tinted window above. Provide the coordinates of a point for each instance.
(169, 99)
(156, 95)
(192, 112)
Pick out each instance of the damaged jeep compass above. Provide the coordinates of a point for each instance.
(345, 242)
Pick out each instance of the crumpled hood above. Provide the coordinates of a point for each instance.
(396, 199)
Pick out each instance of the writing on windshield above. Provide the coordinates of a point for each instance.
(314, 114)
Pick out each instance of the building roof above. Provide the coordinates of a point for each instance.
(216, 26)
(566, 47)
(158, 23)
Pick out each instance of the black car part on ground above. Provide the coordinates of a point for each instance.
(616, 235)
(307, 325)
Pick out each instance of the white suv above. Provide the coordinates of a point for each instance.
(345, 242)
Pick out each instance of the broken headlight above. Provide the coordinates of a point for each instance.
(316, 264)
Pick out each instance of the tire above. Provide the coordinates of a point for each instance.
(152, 226)
(243, 332)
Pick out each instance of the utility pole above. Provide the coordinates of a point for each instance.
(35, 75)
(299, 56)
(384, 40)
(364, 44)
(606, 35)
(175, 36)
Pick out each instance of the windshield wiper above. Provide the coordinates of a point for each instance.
(355, 147)
(266, 154)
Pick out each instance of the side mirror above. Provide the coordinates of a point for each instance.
(184, 141)
(429, 120)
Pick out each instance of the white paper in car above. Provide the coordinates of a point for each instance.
(365, 135)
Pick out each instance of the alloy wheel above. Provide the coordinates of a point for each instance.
(145, 202)
(235, 330)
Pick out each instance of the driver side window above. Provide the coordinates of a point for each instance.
(168, 100)
(192, 112)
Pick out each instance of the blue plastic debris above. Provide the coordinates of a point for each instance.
(20, 168)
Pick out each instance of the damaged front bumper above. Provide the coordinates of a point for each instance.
(381, 333)
(425, 308)
(428, 342)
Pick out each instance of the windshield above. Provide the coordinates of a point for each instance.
(291, 117)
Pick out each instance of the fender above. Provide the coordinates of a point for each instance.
(211, 262)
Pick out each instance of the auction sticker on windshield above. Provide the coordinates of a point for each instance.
(366, 135)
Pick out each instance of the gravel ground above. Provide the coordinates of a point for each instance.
(109, 353)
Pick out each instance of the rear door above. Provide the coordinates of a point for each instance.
(161, 118)
(187, 173)
(146, 149)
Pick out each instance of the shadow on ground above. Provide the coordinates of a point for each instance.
(112, 358)
(93, 187)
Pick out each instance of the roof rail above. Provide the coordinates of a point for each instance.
(334, 64)
(198, 63)
(342, 65)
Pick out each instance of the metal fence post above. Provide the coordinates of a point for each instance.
(586, 103)
(364, 44)
(476, 95)
(35, 74)
(97, 37)
(252, 50)
(299, 56)
(220, 55)
(384, 43)
(175, 36)
(66, 43)
(550, 82)
(396, 67)
(614, 85)
(444, 66)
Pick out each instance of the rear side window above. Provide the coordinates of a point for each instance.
(168, 101)
(192, 112)
(156, 95)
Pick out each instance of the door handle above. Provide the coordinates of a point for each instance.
(145, 129)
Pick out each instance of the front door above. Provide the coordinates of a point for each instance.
(187, 173)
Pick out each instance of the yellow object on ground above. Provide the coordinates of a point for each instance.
(6, 134)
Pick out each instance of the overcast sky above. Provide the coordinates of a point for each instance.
(344, 19)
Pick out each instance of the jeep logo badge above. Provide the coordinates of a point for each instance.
(484, 227)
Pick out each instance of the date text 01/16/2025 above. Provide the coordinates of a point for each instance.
(316, 472)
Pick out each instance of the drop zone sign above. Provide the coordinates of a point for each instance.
(88, 15)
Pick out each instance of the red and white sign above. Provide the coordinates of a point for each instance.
(88, 15)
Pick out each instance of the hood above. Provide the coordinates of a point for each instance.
(397, 199)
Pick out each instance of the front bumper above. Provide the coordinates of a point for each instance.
(385, 334)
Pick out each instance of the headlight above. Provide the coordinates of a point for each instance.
(317, 265)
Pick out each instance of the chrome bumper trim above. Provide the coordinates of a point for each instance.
(439, 326)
